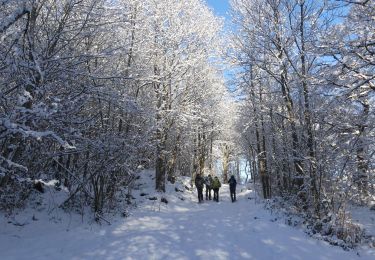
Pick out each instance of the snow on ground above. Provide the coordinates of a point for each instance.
(364, 217)
(181, 229)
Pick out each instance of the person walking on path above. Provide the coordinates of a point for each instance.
(208, 182)
(216, 186)
(199, 182)
(232, 188)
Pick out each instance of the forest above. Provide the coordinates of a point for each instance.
(307, 82)
(92, 92)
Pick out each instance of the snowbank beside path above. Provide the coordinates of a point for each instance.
(181, 229)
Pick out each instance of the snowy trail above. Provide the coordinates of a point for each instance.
(179, 230)
(224, 230)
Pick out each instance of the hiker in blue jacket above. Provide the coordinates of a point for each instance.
(199, 182)
(232, 188)
(208, 182)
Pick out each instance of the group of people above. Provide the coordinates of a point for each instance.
(213, 184)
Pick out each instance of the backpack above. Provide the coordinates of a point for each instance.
(216, 184)
(199, 181)
(232, 182)
(208, 181)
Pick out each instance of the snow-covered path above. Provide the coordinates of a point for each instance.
(178, 230)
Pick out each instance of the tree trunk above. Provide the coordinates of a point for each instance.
(263, 156)
(261, 153)
(361, 177)
(160, 168)
(226, 154)
(298, 180)
(307, 111)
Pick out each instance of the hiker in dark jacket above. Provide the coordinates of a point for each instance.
(216, 186)
(232, 188)
(208, 182)
(199, 182)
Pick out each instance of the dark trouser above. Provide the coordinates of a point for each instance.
(208, 193)
(200, 194)
(216, 195)
(233, 193)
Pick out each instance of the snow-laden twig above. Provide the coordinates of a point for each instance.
(12, 18)
(13, 164)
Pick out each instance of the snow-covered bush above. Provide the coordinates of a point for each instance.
(14, 193)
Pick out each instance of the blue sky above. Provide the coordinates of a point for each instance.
(220, 7)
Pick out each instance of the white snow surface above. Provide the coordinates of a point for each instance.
(364, 217)
(181, 229)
